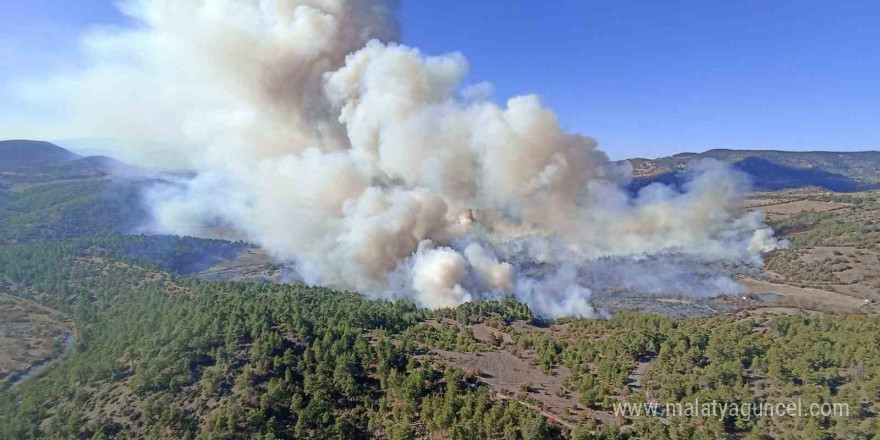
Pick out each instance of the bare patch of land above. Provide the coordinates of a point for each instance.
(806, 297)
(786, 209)
(30, 335)
(834, 262)
(513, 373)
(253, 263)
(842, 269)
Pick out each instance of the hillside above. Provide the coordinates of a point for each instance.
(165, 356)
(114, 336)
(26, 163)
(773, 170)
(24, 152)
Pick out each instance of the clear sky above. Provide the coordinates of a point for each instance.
(646, 78)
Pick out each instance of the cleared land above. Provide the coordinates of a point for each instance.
(253, 263)
(805, 297)
(834, 262)
(784, 210)
(513, 372)
(30, 335)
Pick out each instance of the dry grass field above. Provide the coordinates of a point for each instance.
(30, 334)
(834, 261)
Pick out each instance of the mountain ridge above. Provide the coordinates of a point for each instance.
(770, 169)
(25, 152)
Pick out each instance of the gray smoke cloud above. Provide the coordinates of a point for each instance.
(372, 166)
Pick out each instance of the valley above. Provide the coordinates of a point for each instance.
(110, 334)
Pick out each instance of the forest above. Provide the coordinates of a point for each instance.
(162, 355)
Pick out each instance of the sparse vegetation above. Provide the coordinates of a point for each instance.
(857, 224)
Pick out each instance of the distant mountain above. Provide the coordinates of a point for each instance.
(29, 162)
(772, 170)
(24, 152)
(33, 161)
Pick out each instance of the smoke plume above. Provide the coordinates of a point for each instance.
(372, 166)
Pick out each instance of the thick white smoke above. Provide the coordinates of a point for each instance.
(371, 166)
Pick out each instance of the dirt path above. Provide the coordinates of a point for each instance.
(640, 370)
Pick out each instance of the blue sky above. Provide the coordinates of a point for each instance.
(646, 78)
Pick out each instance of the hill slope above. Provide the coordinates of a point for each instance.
(773, 170)
(24, 163)
(155, 353)
(25, 152)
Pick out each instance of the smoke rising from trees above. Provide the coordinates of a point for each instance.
(372, 166)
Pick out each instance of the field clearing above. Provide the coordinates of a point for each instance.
(784, 210)
(834, 264)
(806, 297)
(507, 374)
(842, 269)
(253, 263)
(30, 334)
